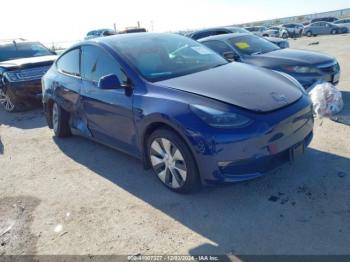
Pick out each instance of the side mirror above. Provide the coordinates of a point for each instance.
(109, 82)
(231, 56)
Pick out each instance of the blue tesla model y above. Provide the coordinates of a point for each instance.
(184, 110)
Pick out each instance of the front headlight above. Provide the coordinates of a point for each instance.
(302, 69)
(11, 76)
(220, 119)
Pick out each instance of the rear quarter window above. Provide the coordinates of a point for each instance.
(69, 63)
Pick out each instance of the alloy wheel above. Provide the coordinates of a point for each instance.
(6, 101)
(168, 163)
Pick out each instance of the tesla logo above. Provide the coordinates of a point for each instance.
(279, 98)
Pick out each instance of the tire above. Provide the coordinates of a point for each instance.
(60, 121)
(285, 36)
(172, 161)
(334, 31)
(10, 102)
(309, 33)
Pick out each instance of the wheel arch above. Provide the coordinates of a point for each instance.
(152, 127)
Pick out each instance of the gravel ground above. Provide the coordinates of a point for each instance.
(74, 196)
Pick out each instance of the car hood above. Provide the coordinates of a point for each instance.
(289, 56)
(245, 86)
(28, 62)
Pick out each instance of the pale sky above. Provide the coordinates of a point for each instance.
(66, 20)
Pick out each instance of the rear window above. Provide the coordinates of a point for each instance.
(22, 50)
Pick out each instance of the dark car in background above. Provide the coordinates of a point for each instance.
(22, 64)
(215, 31)
(305, 66)
(329, 19)
(99, 33)
(133, 30)
(324, 28)
(282, 43)
(178, 106)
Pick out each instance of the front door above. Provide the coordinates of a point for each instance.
(108, 112)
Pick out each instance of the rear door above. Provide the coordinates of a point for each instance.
(316, 28)
(108, 112)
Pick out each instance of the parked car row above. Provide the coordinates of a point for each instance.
(317, 26)
(228, 107)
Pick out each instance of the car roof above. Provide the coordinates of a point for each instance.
(223, 37)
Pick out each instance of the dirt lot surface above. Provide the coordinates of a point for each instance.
(73, 196)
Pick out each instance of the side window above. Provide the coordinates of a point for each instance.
(69, 63)
(96, 63)
(218, 46)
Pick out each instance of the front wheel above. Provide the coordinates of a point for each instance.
(334, 31)
(172, 161)
(285, 35)
(10, 102)
(309, 33)
(60, 121)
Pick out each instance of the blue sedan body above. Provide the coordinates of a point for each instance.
(124, 118)
(306, 66)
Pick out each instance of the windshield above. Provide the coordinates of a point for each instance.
(22, 50)
(252, 45)
(163, 56)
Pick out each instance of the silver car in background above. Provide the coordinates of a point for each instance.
(293, 29)
(258, 30)
(324, 28)
(344, 22)
(277, 31)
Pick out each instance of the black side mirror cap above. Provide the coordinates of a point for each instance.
(109, 82)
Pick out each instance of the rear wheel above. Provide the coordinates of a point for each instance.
(172, 161)
(334, 31)
(60, 121)
(285, 35)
